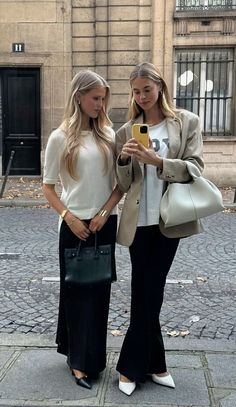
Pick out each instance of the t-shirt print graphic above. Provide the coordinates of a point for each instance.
(160, 146)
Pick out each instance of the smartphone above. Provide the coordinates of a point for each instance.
(140, 132)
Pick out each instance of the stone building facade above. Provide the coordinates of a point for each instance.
(192, 42)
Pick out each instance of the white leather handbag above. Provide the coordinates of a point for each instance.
(186, 202)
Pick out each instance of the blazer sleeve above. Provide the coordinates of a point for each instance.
(175, 169)
(123, 172)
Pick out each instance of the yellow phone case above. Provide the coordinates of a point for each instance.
(141, 133)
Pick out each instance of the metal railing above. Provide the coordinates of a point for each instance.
(7, 173)
(190, 5)
(203, 85)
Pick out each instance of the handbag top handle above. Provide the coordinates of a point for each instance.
(193, 169)
(96, 252)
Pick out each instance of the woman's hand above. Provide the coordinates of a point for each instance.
(97, 223)
(128, 149)
(143, 154)
(77, 226)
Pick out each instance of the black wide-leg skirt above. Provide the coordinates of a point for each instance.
(83, 312)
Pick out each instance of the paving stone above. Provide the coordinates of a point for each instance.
(229, 401)
(191, 390)
(181, 360)
(37, 368)
(4, 356)
(223, 370)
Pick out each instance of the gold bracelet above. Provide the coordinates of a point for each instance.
(64, 212)
(103, 212)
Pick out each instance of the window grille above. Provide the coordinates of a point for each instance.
(203, 85)
(188, 5)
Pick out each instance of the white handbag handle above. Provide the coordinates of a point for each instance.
(193, 170)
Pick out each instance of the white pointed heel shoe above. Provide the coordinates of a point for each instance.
(127, 387)
(164, 380)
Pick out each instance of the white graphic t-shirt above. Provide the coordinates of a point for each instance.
(152, 186)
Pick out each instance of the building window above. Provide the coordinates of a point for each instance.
(203, 85)
(185, 5)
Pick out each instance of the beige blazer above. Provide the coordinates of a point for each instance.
(185, 143)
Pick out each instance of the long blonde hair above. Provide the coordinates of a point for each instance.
(83, 82)
(164, 102)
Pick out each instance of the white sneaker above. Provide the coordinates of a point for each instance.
(164, 380)
(127, 387)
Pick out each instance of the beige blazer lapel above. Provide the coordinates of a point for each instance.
(174, 131)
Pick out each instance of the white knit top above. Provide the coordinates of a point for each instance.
(85, 196)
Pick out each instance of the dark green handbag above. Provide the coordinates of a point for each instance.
(88, 265)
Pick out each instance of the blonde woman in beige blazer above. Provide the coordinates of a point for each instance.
(142, 173)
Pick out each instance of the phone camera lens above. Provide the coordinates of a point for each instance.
(143, 129)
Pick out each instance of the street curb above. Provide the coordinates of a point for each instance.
(171, 344)
(22, 203)
(41, 202)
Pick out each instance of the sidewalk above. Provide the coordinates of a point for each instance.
(23, 191)
(32, 373)
(26, 191)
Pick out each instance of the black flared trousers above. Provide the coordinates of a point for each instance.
(83, 311)
(143, 350)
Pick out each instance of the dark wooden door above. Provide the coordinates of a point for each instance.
(21, 120)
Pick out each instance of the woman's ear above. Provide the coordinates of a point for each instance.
(77, 98)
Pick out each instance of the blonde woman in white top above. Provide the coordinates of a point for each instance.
(81, 154)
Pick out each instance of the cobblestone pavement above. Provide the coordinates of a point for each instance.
(200, 292)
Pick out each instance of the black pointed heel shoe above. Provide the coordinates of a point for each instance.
(83, 382)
